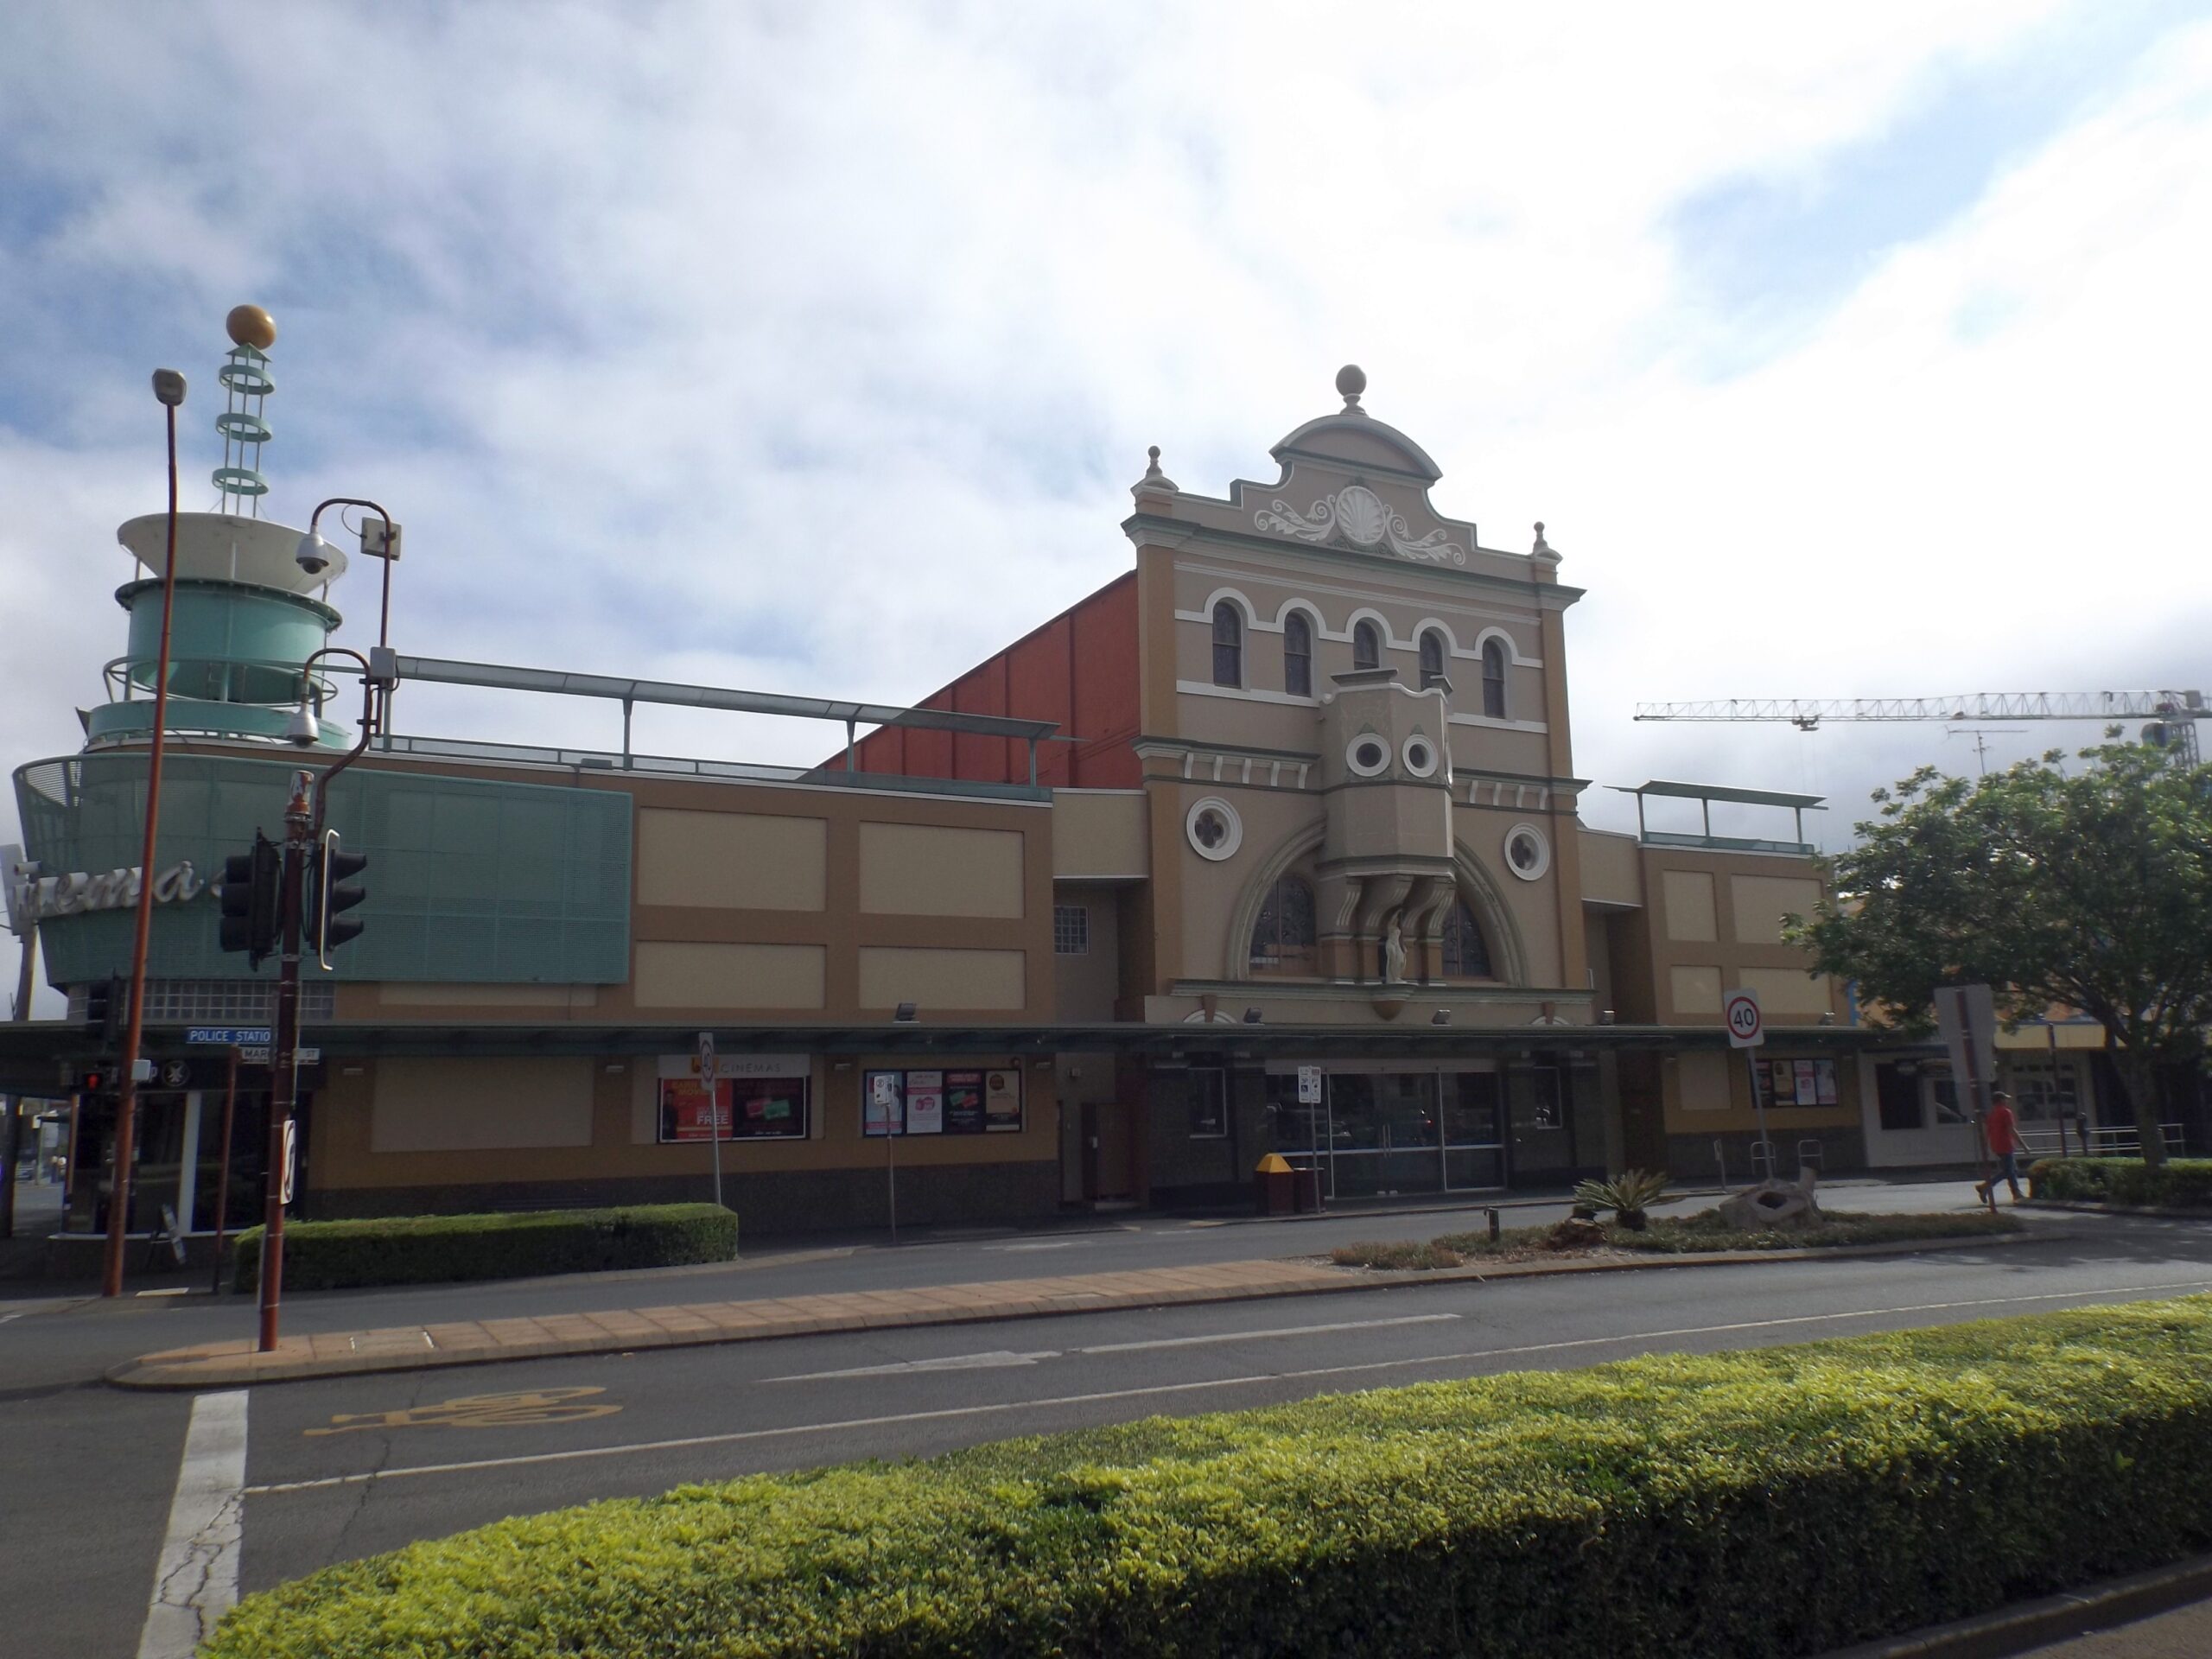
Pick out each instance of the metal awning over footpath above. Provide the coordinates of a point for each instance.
(40, 1058)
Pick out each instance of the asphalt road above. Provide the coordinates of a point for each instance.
(338, 1468)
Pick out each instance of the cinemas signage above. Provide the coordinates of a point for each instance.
(753, 1097)
(985, 1102)
(33, 898)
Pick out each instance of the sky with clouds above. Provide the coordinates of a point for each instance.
(812, 347)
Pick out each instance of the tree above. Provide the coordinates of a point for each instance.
(2090, 888)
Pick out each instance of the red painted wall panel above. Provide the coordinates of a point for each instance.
(1078, 671)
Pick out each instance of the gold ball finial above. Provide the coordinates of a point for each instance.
(250, 324)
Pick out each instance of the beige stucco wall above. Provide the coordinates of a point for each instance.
(439, 998)
(1692, 913)
(730, 860)
(1099, 835)
(1761, 902)
(919, 869)
(795, 924)
(435, 1105)
(672, 974)
(1713, 918)
(976, 981)
(1611, 873)
(1086, 984)
(620, 1139)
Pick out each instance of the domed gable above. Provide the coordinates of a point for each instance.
(1354, 438)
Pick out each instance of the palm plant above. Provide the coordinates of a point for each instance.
(1628, 1195)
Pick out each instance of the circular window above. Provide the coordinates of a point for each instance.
(1367, 754)
(1420, 756)
(1528, 854)
(1215, 830)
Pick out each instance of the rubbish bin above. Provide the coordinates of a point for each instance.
(1274, 1184)
(1306, 1190)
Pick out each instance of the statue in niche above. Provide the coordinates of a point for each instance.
(1393, 955)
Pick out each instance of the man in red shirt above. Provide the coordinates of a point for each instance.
(2002, 1131)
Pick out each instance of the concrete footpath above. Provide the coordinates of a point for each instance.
(235, 1363)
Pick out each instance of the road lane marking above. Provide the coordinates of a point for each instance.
(479, 1411)
(998, 1358)
(197, 1580)
(1255, 1336)
(1056, 1244)
(737, 1436)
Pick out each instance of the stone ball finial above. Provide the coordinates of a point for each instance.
(1154, 478)
(249, 325)
(1352, 380)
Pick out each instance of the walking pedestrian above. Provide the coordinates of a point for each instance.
(2001, 1130)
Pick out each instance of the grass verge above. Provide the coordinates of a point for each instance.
(1778, 1501)
(425, 1249)
(1666, 1235)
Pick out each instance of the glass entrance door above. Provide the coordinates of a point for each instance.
(1474, 1130)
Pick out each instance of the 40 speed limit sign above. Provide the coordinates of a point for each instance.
(1746, 1028)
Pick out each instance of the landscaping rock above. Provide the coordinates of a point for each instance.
(1774, 1204)
(1574, 1234)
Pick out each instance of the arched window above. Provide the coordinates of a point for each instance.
(1283, 936)
(1227, 645)
(1494, 679)
(1298, 655)
(1465, 955)
(1432, 658)
(1366, 646)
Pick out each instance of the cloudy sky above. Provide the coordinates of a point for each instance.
(1848, 350)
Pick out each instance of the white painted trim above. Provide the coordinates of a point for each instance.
(1214, 804)
(196, 1580)
(1513, 656)
(187, 1178)
(1476, 613)
(1500, 725)
(1204, 613)
(1543, 850)
(1245, 694)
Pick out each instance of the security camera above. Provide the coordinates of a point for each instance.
(313, 555)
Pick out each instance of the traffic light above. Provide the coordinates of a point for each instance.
(247, 894)
(327, 895)
(107, 1009)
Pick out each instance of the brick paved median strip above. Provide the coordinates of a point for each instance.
(419, 1347)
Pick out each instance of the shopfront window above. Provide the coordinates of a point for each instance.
(1896, 1098)
(1208, 1104)
(2044, 1090)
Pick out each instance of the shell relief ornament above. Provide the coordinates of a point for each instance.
(1356, 515)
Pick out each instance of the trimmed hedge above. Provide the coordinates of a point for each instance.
(2178, 1184)
(1777, 1501)
(427, 1250)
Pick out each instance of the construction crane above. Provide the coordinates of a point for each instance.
(2172, 716)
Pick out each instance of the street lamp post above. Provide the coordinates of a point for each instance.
(313, 555)
(168, 389)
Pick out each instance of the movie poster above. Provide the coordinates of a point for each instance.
(1002, 1101)
(926, 1102)
(963, 1103)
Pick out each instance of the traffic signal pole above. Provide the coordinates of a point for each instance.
(302, 840)
(284, 1049)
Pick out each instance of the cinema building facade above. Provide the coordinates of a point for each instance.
(1295, 790)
